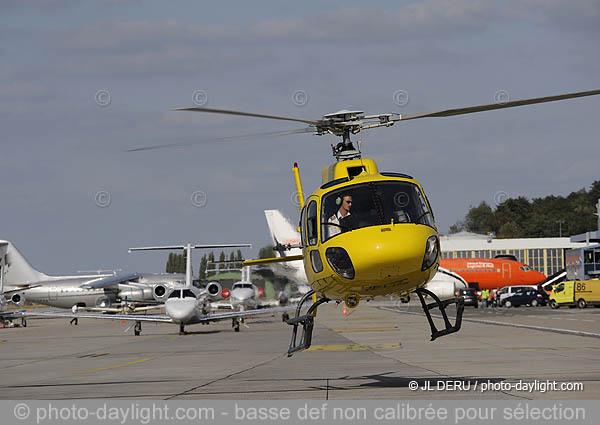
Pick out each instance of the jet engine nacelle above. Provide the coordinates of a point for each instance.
(18, 298)
(137, 294)
(103, 302)
(214, 289)
(160, 292)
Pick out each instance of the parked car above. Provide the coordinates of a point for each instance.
(470, 296)
(509, 291)
(531, 297)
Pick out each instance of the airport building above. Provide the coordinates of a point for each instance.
(546, 255)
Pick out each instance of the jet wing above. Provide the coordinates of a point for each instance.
(107, 281)
(156, 318)
(247, 313)
(12, 314)
(134, 317)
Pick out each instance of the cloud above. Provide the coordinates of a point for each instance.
(431, 18)
(24, 90)
(574, 15)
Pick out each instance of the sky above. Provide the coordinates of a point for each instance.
(81, 82)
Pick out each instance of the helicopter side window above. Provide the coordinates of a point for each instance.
(373, 204)
(311, 223)
(303, 227)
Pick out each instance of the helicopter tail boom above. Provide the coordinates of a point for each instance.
(272, 260)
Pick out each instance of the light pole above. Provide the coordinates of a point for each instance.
(560, 223)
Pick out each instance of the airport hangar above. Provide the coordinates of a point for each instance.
(546, 255)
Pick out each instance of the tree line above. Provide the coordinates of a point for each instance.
(176, 263)
(520, 217)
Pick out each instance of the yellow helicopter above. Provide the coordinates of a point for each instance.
(366, 233)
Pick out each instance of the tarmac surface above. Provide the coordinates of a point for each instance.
(372, 353)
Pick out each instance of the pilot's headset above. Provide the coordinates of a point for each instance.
(338, 201)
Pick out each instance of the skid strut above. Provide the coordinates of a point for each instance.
(460, 307)
(307, 321)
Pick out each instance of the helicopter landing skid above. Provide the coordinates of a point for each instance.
(307, 321)
(460, 307)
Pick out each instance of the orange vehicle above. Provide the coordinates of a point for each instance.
(492, 273)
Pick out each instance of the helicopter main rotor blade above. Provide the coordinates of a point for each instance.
(245, 114)
(218, 139)
(490, 107)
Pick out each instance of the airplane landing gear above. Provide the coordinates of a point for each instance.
(24, 322)
(449, 329)
(137, 329)
(235, 324)
(307, 321)
(182, 329)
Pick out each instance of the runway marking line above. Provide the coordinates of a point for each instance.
(112, 367)
(365, 329)
(355, 347)
(514, 325)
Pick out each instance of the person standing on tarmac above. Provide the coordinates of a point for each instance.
(485, 295)
(74, 320)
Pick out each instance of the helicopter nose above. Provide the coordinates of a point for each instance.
(391, 252)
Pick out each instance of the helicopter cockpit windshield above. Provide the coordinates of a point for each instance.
(373, 204)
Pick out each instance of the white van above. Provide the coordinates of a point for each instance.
(508, 291)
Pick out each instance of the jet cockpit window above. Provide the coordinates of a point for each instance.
(188, 294)
(525, 268)
(373, 204)
(175, 294)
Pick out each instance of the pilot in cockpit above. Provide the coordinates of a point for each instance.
(343, 217)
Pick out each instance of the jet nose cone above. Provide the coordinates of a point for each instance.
(179, 310)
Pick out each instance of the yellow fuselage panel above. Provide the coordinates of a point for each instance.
(349, 168)
(387, 260)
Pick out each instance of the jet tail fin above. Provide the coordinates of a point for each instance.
(16, 270)
(283, 233)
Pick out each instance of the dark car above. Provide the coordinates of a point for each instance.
(531, 297)
(470, 296)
